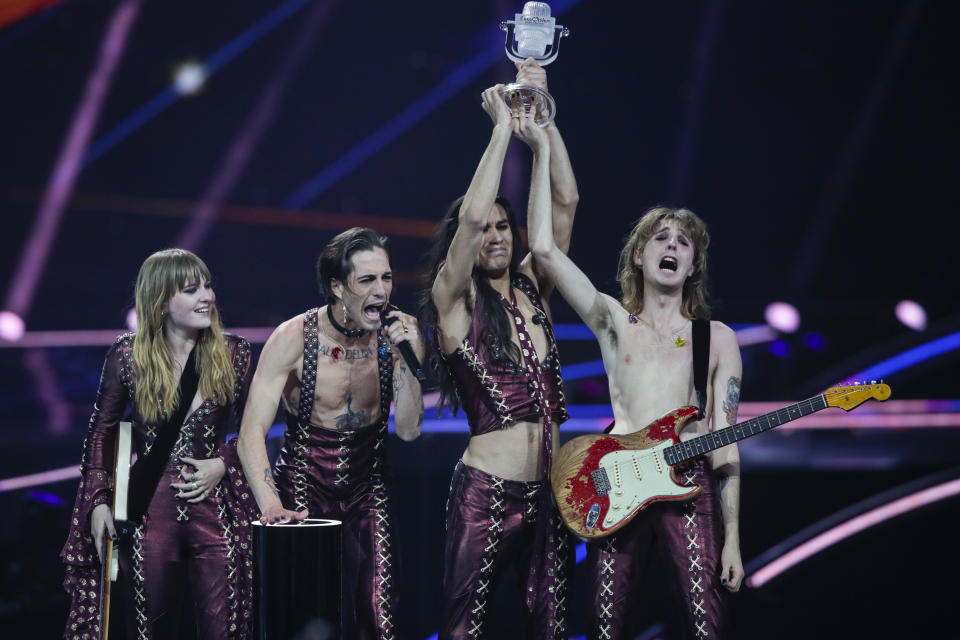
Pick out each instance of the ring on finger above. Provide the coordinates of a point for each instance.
(195, 485)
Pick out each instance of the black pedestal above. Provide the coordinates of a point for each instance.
(296, 580)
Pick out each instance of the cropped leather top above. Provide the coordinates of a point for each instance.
(495, 393)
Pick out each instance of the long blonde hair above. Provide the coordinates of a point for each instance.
(162, 275)
(694, 303)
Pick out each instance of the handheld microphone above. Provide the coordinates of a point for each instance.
(405, 349)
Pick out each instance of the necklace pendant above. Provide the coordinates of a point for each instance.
(336, 353)
(680, 341)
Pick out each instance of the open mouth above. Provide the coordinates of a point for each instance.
(371, 312)
(202, 310)
(668, 263)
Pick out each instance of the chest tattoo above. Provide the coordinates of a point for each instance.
(347, 354)
(351, 419)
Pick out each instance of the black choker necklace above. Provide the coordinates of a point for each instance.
(350, 333)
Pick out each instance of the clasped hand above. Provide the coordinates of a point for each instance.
(198, 483)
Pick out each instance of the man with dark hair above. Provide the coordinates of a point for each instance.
(646, 340)
(336, 372)
(496, 356)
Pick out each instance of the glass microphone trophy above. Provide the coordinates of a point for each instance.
(532, 34)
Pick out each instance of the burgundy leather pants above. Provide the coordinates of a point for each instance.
(491, 527)
(180, 551)
(689, 535)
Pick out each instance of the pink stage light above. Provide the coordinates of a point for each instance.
(11, 326)
(911, 314)
(782, 316)
(132, 319)
(851, 527)
(38, 479)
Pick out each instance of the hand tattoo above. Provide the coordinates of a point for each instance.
(732, 402)
(268, 480)
(351, 419)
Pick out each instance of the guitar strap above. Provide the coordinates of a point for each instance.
(146, 471)
(701, 362)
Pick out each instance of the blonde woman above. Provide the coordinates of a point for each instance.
(182, 381)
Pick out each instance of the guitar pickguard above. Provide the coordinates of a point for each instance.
(637, 478)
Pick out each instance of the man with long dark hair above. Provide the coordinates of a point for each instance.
(336, 371)
(646, 340)
(496, 357)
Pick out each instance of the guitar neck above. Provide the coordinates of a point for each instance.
(728, 435)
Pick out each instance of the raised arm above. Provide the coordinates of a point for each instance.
(278, 359)
(563, 185)
(453, 281)
(726, 460)
(548, 258)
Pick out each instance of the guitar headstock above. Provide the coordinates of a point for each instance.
(853, 395)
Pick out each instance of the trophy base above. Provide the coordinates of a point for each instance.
(525, 98)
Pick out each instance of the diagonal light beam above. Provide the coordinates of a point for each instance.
(215, 62)
(403, 121)
(261, 116)
(68, 164)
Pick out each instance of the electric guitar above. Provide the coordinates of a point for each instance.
(602, 481)
(110, 568)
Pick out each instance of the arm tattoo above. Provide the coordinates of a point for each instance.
(351, 419)
(732, 402)
(268, 480)
(398, 379)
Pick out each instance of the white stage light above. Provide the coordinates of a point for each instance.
(189, 78)
(911, 314)
(11, 326)
(782, 316)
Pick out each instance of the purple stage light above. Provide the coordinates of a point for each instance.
(782, 316)
(911, 314)
(779, 348)
(813, 341)
(11, 326)
(59, 189)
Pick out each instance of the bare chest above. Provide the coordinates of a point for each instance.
(532, 330)
(346, 391)
(650, 379)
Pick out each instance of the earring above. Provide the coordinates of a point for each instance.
(344, 313)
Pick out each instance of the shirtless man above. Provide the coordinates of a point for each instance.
(494, 350)
(336, 370)
(645, 343)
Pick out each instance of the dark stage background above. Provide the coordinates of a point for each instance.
(816, 139)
